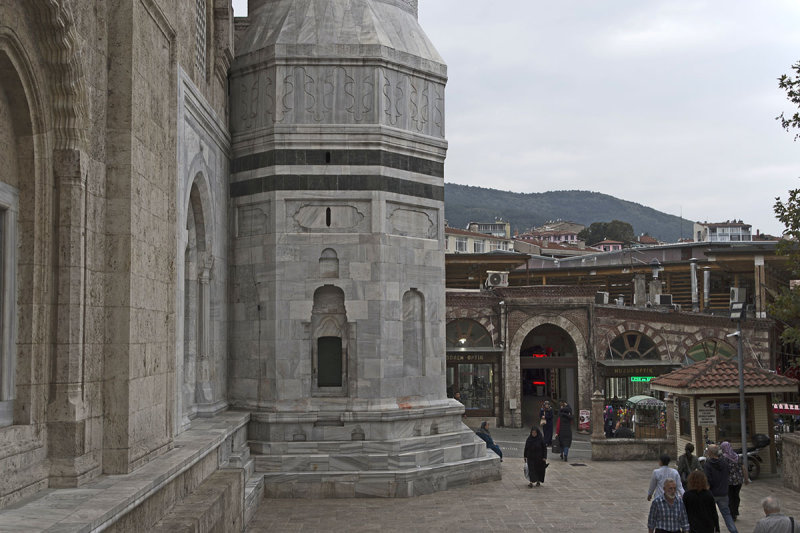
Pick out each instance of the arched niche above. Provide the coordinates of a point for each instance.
(329, 342)
(413, 333)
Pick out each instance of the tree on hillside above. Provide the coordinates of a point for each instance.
(616, 230)
(786, 306)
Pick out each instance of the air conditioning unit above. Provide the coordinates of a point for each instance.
(496, 279)
(664, 299)
(601, 297)
(738, 294)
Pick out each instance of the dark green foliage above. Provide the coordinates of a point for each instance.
(786, 306)
(465, 204)
(616, 230)
(791, 84)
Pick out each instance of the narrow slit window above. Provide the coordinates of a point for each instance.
(328, 217)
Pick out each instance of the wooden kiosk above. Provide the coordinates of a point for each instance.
(706, 403)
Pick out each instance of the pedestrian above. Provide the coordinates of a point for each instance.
(608, 421)
(687, 463)
(660, 475)
(774, 521)
(564, 436)
(736, 477)
(535, 455)
(546, 420)
(716, 470)
(483, 433)
(667, 512)
(700, 505)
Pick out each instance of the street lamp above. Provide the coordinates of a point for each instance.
(738, 314)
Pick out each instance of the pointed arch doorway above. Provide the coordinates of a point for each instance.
(548, 362)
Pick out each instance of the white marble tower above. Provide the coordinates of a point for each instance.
(337, 195)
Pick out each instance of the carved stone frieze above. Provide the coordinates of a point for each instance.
(324, 216)
(330, 94)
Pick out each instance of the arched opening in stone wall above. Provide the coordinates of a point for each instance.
(329, 346)
(548, 370)
(17, 186)
(413, 333)
(196, 388)
(709, 348)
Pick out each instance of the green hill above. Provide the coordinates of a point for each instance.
(464, 204)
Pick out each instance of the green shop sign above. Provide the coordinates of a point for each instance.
(641, 379)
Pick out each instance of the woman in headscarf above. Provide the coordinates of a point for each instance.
(736, 476)
(565, 429)
(483, 433)
(546, 416)
(535, 455)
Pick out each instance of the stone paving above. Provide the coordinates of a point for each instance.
(581, 495)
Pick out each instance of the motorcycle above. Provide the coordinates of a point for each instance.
(754, 459)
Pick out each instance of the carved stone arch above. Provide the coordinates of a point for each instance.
(702, 335)
(198, 196)
(60, 45)
(611, 333)
(32, 253)
(478, 316)
(564, 323)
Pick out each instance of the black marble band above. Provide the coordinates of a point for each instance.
(338, 157)
(348, 182)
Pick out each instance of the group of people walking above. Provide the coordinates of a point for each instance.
(540, 439)
(687, 499)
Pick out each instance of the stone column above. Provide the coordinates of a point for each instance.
(760, 296)
(598, 402)
(71, 460)
(669, 399)
(203, 386)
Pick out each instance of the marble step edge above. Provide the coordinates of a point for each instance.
(363, 446)
(368, 462)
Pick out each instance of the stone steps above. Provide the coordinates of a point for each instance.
(403, 483)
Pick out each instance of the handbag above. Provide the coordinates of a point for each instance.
(526, 472)
(556, 445)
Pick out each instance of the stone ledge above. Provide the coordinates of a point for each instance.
(631, 449)
(107, 499)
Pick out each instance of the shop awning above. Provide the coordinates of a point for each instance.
(786, 408)
(646, 402)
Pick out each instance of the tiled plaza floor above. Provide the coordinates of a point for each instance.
(600, 496)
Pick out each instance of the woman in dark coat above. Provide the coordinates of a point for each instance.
(546, 415)
(535, 455)
(700, 504)
(565, 417)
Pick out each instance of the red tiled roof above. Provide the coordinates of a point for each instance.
(721, 373)
(647, 239)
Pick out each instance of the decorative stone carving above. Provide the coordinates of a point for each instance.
(412, 223)
(328, 217)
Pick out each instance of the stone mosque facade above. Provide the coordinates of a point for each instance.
(221, 261)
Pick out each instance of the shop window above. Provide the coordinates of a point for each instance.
(729, 425)
(329, 358)
(684, 417)
(632, 345)
(475, 382)
(709, 348)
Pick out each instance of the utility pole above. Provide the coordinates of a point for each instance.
(738, 314)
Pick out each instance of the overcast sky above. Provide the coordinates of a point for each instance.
(670, 104)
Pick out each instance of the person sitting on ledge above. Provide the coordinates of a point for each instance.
(483, 433)
(623, 432)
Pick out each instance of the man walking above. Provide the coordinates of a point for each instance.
(775, 522)
(717, 473)
(667, 513)
(660, 475)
